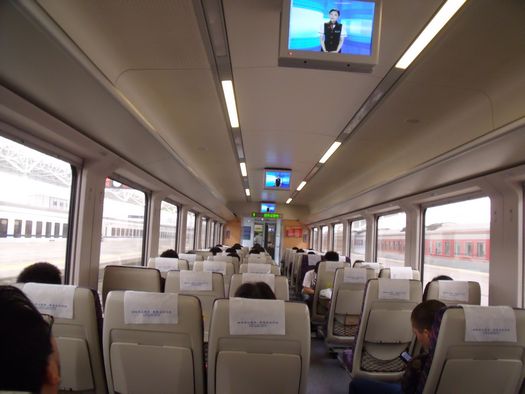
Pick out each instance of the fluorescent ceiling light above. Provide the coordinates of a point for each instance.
(229, 96)
(247, 191)
(289, 200)
(243, 169)
(429, 32)
(301, 185)
(330, 152)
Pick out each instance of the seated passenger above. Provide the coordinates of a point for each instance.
(40, 273)
(331, 256)
(439, 277)
(231, 250)
(310, 278)
(215, 250)
(29, 356)
(300, 250)
(295, 248)
(237, 246)
(257, 290)
(311, 252)
(170, 253)
(422, 319)
(233, 254)
(254, 251)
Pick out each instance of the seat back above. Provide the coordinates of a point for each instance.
(385, 329)
(229, 259)
(206, 297)
(258, 363)
(307, 262)
(259, 268)
(279, 284)
(369, 264)
(296, 266)
(121, 277)
(453, 292)
(488, 363)
(190, 258)
(149, 357)
(400, 273)
(203, 253)
(78, 338)
(325, 280)
(221, 267)
(165, 264)
(345, 308)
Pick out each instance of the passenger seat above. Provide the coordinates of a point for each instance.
(278, 283)
(121, 277)
(400, 273)
(325, 280)
(454, 292)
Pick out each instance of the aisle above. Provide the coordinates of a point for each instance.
(326, 374)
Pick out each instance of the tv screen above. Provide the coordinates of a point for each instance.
(330, 34)
(277, 179)
(267, 207)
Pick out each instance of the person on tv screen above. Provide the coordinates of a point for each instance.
(332, 33)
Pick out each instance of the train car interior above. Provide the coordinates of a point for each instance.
(264, 196)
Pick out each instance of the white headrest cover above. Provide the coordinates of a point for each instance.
(355, 275)
(453, 290)
(196, 281)
(54, 300)
(214, 266)
(400, 273)
(165, 264)
(375, 266)
(259, 268)
(394, 289)
(141, 307)
(269, 279)
(257, 317)
(490, 324)
(331, 266)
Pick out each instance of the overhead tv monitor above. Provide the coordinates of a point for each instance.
(267, 207)
(277, 179)
(335, 35)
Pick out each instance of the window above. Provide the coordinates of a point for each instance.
(315, 244)
(204, 228)
(391, 229)
(324, 239)
(337, 244)
(358, 240)
(31, 181)
(466, 225)
(169, 216)
(212, 235)
(124, 209)
(190, 231)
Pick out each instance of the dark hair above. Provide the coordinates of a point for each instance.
(295, 248)
(439, 277)
(255, 251)
(25, 340)
(311, 252)
(423, 315)
(170, 253)
(215, 250)
(218, 246)
(237, 246)
(334, 10)
(316, 269)
(233, 254)
(300, 251)
(257, 290)
(331, 256)
(40, 273)
(358, 262)
(231, 250)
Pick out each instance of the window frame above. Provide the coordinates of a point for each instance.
(194, 230)
(350, 238)
(172, 202)
(376, 232)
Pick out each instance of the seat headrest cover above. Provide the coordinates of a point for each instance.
(490, 324)
(355, 275)
(164, 264)
(54, 300)
(313, 259)
(394, 289)
(453, 290)
(214, 266)
(332, 266)
(196, 281)
(142, 307)
(400, 273)
(375, 266)
(258, 268)
(269, 279)
(257, 317)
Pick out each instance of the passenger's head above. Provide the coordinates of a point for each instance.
(218, 246)
(331, 256)
(436, 278)
(358, 262)
(316, 269)
(255, 251)
(231, 250)
(170, 253)
(311, 252)
(334, 15)
(237, 246)
(233, 254)
(40, 273)
(215, 250)
(422, 320)
(300, 251)
(295, 248)
(258, 290)
(28, 356)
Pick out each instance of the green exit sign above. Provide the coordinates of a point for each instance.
(266, 215)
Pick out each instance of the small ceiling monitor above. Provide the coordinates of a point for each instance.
(335, 35)
(267, 207)
(277, 179)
